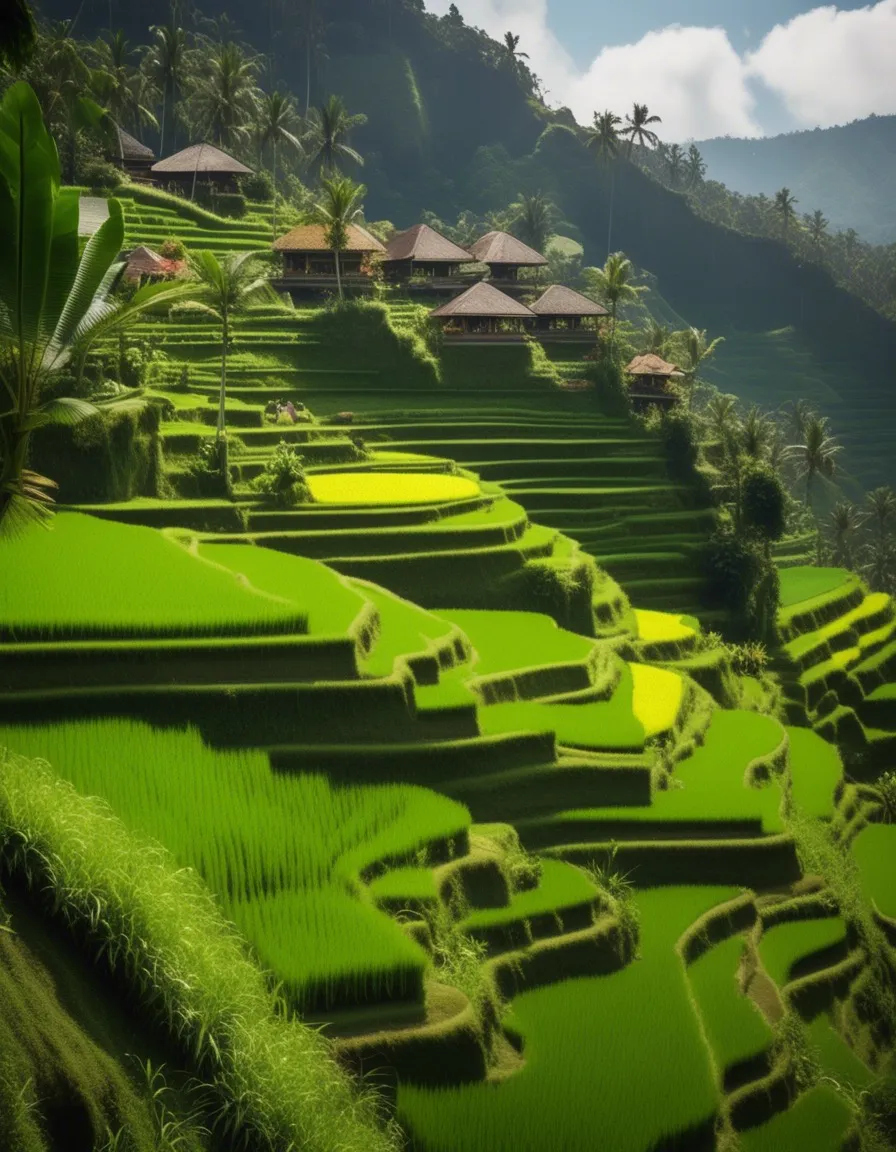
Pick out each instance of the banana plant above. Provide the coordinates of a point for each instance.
(54, 299)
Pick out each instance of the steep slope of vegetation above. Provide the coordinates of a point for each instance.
(847, 171)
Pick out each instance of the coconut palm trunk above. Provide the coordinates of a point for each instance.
(338, 274)
(612, 198)
(221, 432)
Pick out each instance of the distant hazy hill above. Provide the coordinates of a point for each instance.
(848, 172)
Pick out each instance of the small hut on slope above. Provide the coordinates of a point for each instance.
(651, 375)
(505, 255)
(310, 263)
(203, 164)
(128, 154)
(484, 313)
(423, 252)
(566, 315)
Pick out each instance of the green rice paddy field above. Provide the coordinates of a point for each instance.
(451, 749)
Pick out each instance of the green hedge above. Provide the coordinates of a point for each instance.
(113, 456)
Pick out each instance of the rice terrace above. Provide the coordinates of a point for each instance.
(447, 623)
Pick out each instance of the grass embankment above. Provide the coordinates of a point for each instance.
(735, 1028)
(818, 1121)
(272, 1080)
(784, 948)
(65, 1078)
(86, 578)
(283, 853)
(613, 1062)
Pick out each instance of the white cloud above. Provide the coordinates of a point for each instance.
(831, 66)
(692, 77)
(827, 66)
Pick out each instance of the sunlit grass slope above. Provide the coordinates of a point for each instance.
(616, 1061)
(283, 853)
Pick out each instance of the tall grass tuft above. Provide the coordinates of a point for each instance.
(275, 1082)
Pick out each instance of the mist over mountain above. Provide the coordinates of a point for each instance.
(849, 172)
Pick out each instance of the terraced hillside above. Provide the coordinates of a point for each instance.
(838, 662)
(473, 734)
(527, 849)
(500, 414)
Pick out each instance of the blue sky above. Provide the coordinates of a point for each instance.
(584, 27)
(708, 67)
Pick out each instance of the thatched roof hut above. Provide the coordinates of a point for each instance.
(558, 302)
(200, 162)
(423, 245)
(484, 311)
(654, 367)
(505, 255)
(483, 300)
(129, 154)
(143, 261)
(312, 238)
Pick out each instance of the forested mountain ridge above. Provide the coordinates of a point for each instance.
(848, 171)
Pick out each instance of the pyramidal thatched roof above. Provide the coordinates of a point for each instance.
(423, 243)
(130, 148)
(483, 300)
(313, 238)
(560, 301)
(200, 158)
(502, 248)
(652, 365)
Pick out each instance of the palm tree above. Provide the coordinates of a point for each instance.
(880, 506)
(224, 100)
(698, 349)
(695, 167)
(657, 338)
(638, 129)
(277, 117)
(221, 290)
(815, 455)
(166, 64)
(511, 53)
(843, 526)
(796, 416)
(533, 219)
(339, 208)
(612, 286)
(50, 294)
(721, 418)
(817, 224)
(756, 432)
(784, 204)
(326, 140)
(121, 88)
(18, 35)
(603, 139)
(879, 564)
(675, 159)
(65, 86)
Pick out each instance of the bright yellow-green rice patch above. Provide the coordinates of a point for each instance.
(659, 626)
(389, 488)
(657, 698)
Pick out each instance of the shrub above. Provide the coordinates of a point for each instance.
(258, 186)
(173, 249)
(99, 175)
(763, 502)
(205, 467)
(283, 479)
(609, 383)
(748, 659)
(680, 440)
